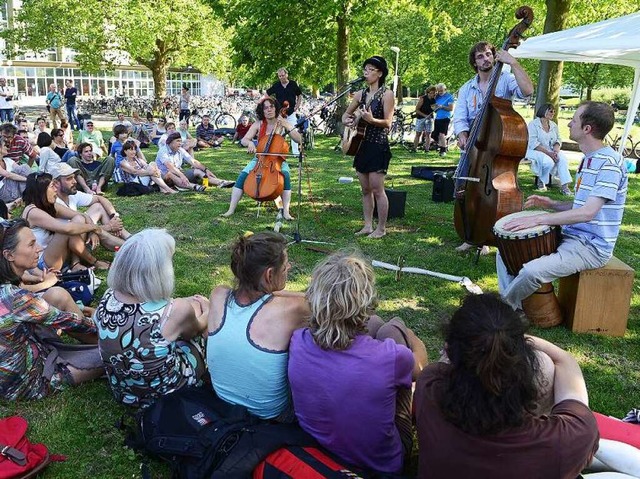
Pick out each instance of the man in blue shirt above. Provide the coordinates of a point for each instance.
(590, 225)
(472, 95)
(442, 108)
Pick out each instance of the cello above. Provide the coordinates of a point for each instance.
(486, 186)
(265, 181)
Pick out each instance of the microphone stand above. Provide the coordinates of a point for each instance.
(297, 237)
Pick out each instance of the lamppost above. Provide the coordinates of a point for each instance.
(396, 50)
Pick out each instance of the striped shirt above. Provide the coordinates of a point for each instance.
(22, 357)
(602, 173)
(20, 147)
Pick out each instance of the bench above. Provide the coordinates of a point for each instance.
(598, 300)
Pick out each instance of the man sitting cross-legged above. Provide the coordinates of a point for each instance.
(90, 170)
(94, 137)
(206, 134)
(100, 209)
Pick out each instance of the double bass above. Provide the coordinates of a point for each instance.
(266, 181)
(487, 176)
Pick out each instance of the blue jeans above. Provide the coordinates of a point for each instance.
(72, 115)
(6, 115)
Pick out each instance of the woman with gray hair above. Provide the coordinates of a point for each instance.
(150, 343)
(345, 349)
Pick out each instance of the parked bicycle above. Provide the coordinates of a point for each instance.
(630, 147)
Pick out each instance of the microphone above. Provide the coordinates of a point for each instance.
(357, 80)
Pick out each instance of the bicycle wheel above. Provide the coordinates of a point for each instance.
(628, 148)
(225, 120)
(636, 150)
(396, 133)
(309, 138)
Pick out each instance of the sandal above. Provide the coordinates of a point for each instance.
(226, 184)
(199, 188)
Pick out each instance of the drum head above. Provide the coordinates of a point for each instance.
(499, 230)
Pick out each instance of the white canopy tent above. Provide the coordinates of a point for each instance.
(615, 41)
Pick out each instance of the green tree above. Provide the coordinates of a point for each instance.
(152, 33)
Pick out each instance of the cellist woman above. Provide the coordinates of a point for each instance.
(269, 121)
(472, 95)
(374, 105)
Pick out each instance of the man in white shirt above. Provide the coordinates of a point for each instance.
(99, 209)
(6, 102)
(122, 121)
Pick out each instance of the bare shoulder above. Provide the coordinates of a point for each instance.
(217, 302)
(294, 309)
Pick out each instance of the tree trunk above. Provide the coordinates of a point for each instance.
(342, 58)
(550, 73)
(589, 91)
(159, 70)
(400, 92)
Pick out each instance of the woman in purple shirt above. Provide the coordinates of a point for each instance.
(350, 372)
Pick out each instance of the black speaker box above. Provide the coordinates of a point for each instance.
(397, 202)
(443, 188)
(429, 172)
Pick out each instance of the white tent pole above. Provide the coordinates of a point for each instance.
(632, 109)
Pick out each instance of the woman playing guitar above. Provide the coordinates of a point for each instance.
(373, 105)
(269, 121)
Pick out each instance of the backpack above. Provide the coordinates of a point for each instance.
(203, 437)
(296, 462)
(134, 189)
(19, 458)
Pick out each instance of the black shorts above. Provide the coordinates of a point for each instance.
(441, 126)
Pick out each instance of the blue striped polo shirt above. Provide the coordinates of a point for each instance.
(602, 173)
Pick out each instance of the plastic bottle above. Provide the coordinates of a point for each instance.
(205, 181)
(345, 179)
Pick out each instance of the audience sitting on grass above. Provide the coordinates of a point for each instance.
(122, 121)
(170, 159)
(99, 209)
(159, 129)
(170, 128)
(482, 402)
(206, 134)
(151, 343)
(120, 135)
(68, 133)
(346, 349)
(93, 136)
(188, 141)
(18, 149)
(93, 174)
(13, 177)
(138, 131)
(49, 159)
(135, 170)
(34, 363)
(241, 129)
(59, 145)
(250, 327)
(64, 242)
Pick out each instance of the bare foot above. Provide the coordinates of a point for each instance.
(484, 251)
(227, 214)
(464, 247)
(364, 231)
(102, 264)
(288, 217)
(376, 234)
(170, 191)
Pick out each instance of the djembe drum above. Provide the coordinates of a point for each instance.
(519, 247)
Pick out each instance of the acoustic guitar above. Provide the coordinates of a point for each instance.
(353, 135)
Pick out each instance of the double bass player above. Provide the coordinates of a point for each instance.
(472, 95)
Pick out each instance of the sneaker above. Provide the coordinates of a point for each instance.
(566, 191)
(540, 186)
(443, 153)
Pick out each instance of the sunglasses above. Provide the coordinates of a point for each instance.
(7, 225)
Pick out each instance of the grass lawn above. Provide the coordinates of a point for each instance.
(80, 422)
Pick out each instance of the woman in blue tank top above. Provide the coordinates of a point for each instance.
(250, 327)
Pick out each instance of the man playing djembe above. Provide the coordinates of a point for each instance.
(590, 225)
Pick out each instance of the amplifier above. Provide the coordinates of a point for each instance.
(443, 188)
(397, 202)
